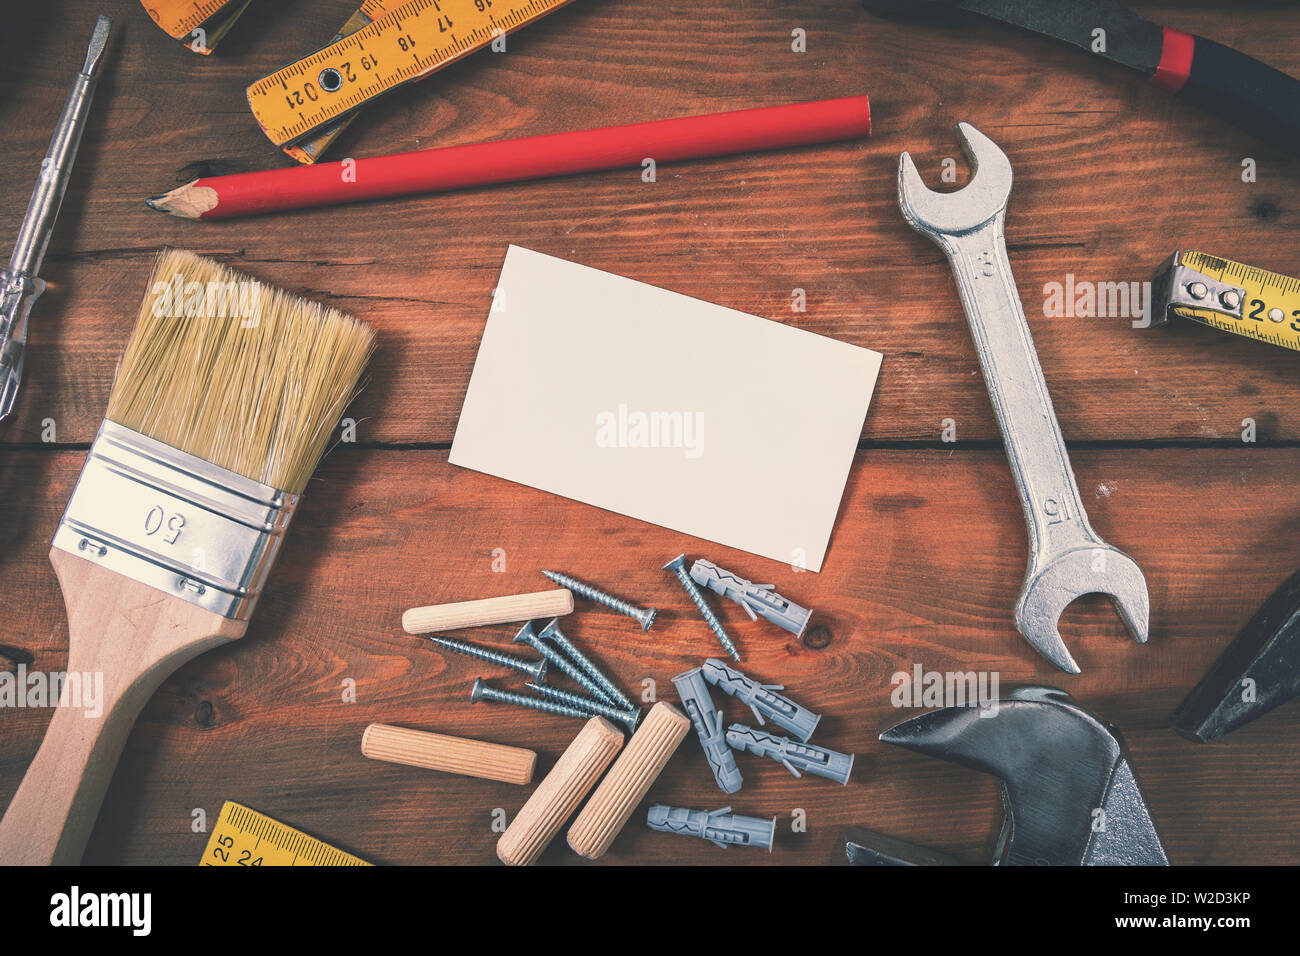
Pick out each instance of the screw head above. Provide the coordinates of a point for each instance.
(526, 634)
(539, 674)
(1230, 299)
(550, 630)
(676, 564)
(647, 618)
(1198, 290)
(476, 693)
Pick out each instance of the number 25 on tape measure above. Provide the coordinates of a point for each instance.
(244, 837)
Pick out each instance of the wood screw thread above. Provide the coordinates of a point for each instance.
(628, 718)
(575, 673)
(459, 755)
(628, 780)
(643, 616)
(534, 669)
(481, 691)
(559, 794)
(678, 567)
(552, 633)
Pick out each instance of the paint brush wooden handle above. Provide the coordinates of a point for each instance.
(134, 636)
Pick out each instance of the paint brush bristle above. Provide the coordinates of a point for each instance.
(238, 373)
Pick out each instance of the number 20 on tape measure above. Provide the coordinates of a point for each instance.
(405, 43)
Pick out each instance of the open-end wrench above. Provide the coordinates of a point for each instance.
(1066, 557)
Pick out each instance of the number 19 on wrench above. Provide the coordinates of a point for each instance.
(1066, 557)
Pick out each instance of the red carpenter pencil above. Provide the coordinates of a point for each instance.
(512, 160)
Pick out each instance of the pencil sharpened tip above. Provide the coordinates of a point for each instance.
(155, 202)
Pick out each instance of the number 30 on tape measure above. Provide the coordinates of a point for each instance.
(407, 42)
(244, 837)
(1228, 296)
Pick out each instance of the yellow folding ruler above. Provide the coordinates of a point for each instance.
(1228, 296)
(199, 23)
(396, 43)
(310, 148)
(244, 837)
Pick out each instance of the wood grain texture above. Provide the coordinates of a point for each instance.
(924, 568)
(1111, 175)
(929, 548)
(124, 639)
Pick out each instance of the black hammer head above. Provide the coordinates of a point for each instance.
(1258, 671)
(1069, 795)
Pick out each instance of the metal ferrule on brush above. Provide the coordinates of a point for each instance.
(175, 522)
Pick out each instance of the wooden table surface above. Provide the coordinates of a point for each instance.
(929, 548)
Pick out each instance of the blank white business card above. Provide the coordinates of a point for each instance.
(665, 408)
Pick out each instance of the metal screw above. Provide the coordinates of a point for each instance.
(534, 669)
(482, 691)
(552, 633)
(645, 615)
(1230, 299)
(527, 636)
(630, 718)
(1198, 290)
(678, 567)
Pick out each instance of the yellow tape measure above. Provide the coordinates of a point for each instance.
(405, 44)
(183, 19)
(244, 837)
(309, 149)
(1229, 296)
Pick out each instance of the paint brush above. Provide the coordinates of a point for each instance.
(223, 403)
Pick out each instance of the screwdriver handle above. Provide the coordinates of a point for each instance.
(1233, 86)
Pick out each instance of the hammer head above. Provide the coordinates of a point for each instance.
(983, 198)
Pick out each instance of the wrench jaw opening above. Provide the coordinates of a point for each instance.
(1067, 558)
(984, 198)
(1061, 769)
(1092, 569)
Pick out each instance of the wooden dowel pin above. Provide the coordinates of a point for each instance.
(497, 610)
(632, 775)
(460, 755)
(559, 794)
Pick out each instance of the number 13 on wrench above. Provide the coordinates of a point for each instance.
(1066, 557)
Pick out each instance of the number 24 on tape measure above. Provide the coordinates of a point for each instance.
(244, 837)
